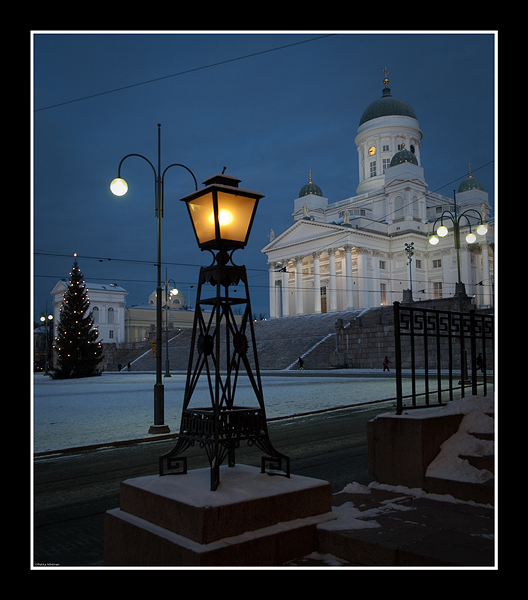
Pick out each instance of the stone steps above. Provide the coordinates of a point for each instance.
(280, 342)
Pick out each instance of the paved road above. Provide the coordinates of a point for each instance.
(72, 492)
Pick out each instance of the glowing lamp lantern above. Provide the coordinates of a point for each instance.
(119, 187)
(434, 240)
(222, 214)
(471, 237)
(442, 231)
(482, 229)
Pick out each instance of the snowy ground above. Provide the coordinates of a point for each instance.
(119, 406)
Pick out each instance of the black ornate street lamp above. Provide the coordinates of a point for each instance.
(119, 187)
(222, 215)
(442, 231)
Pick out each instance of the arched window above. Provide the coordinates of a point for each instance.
(398, 208)
(95, 312)
(110, 315)
(416, 207)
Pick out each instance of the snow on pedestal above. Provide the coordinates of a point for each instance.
(253, 518)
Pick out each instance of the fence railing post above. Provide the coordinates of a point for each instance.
(473, 342)
(397, 339)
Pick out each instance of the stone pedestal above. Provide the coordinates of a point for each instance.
(252, 519)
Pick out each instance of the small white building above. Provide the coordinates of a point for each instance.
(107, 301)
(351, 254)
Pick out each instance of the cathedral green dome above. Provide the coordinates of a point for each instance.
(310, 188)
(403, 156)
(470, 184)
(386, 106)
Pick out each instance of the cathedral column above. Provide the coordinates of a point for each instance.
(317, 282)
(298, 284)
(360, 154)
(362, 278)
(333, 288)
(285, 291)
(272, 291)
(348, 279)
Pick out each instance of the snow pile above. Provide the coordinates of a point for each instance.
(449, 464)
(349, 517)
(357, 488)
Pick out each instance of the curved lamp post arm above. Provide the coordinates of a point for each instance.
(471, 210)
(163, 181)
(446, 214)
(140, 156)
(156, 200)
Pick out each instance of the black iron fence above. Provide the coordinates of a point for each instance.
(446, 350)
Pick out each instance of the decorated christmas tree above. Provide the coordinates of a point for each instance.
(78, 352)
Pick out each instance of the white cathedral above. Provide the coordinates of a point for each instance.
(351, 254)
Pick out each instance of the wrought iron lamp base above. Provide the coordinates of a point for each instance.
(223, 426)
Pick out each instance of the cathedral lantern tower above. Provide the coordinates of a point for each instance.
(387, 125)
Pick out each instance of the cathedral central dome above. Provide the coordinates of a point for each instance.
(386, 106)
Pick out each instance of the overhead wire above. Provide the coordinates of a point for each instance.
(185, 72)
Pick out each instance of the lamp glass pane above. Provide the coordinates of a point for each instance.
(234, 216)
(202, 216)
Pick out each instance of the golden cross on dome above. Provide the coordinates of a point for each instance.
(310, 176)
(386, 80)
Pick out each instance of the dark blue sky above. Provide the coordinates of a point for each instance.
(268, 119)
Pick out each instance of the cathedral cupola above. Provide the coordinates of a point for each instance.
(403, 156)
(471, 183)
(310, 188)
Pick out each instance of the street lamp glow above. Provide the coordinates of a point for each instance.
(471, 237)
(174, 292)
(434, 240)
(119, 187)
(442, 231)
(225, 217)
(482, 229)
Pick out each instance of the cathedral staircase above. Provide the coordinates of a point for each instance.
(280, 343)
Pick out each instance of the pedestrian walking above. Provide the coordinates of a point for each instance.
(386, 362)
(128, 366)
(301, 364)
(479, 363)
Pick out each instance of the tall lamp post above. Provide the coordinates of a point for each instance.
(222, 215)
(119, 187)
(45, 320)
